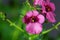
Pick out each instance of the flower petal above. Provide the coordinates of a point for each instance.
(40, 2)
(32, 13)
(35, 13)
(34, 28)
(36, 2)
(29, 14)
(48, 1)
(50, 16)
(26, 20)
(41, 18)
(52, 6)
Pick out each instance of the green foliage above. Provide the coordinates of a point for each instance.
(25, 8)
(2, 16)
(11, 24)
(14, 14)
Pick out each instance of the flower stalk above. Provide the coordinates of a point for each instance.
(28, 3)
(30, 38)
(13, 24)
(32, 8)
(54, 27)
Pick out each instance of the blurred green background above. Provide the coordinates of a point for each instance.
(13, 9)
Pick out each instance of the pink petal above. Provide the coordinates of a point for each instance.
(48, 1)
(43, 7)
(50, 16)
(35, 13)
(41, 18)
(36, 2)
(29, 14)
(23, 20)
(32, 13)
(34, 28)
(26, 20)
(52, 6)
(40, 2)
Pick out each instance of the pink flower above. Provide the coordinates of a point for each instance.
(34, 28)
(33, 22)
(48, 8)
(38, 2)
(32, 17)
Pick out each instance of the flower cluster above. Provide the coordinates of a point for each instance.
(34, 19)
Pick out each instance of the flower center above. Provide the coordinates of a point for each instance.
(31, 19)
(34, 19)
(48, 8)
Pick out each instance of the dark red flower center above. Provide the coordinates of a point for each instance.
(48, 8)
(34, 19)
(31, 19)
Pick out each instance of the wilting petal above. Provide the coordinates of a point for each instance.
(51, 18)
(41, 18)
(34, 28)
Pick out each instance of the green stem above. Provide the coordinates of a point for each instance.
(30, 38)
(13, 24)
(28, 3)
(55, 27)
(32, 8)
